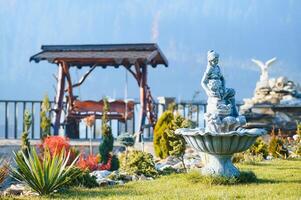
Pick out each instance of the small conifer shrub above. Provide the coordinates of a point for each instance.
(166, 143)
(25, 146)
(138, 163)
(161, 144)
(177, 143)
(45, 119)
(107, 142)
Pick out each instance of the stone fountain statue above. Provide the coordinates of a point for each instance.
(276, 103)
(223, 135)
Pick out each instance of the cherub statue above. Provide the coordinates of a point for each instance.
(213, 83)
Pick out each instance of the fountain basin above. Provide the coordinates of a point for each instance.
(220, 147)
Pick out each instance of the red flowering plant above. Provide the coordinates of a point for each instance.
(106, 166)
(89, 162)
(56, 144)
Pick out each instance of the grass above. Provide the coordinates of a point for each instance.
(278, 179)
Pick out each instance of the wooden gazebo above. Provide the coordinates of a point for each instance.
(134, 57)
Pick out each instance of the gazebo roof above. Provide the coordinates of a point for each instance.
(102, 55)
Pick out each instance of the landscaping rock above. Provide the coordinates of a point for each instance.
(135, 177)
(103, 182)
(100, 173)
(15, 190)
(120, 182)
(114, 175)
(142, 178)
(296, 137)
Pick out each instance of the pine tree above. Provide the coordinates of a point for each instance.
(106, 145)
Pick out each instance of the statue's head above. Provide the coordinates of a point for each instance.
(212, 57)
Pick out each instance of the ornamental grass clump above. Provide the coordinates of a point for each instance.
(44, 175)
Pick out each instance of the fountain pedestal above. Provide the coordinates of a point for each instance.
(220, 165)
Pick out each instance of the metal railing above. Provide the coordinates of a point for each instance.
(12, 112)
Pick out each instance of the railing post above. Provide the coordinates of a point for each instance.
(32, 120)
(15, 120)
(6, 119)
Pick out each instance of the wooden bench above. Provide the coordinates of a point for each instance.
(119, 109)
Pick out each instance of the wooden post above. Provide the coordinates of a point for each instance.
(142, 89)
(68, 77)
(71, 124)
(59, 99)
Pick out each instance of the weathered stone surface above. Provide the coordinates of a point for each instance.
(280, 108)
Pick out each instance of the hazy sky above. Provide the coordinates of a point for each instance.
(184, 30)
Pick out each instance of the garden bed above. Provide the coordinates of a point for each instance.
(276, 179)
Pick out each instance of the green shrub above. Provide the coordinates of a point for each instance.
(106, 145)
(45, 120)
(25, 146)
(238, 158)
(259, 148)
(168, 171)
(114, 163)
(161, 144)
(177, 144)
(298, 149)
(44, 175)
(277, 147)
(165, 141)
(85, 180)
(247, 158)
(126, 139)
(138, 162)
(298, 131)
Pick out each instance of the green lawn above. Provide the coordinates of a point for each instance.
(278, 179)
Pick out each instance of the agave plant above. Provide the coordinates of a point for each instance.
(44, 175)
